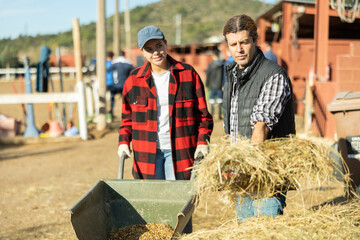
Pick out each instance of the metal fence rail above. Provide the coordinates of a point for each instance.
(77, 97)
(12, 71)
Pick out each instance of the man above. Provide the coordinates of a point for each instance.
(120, 70)
(109, 84)
(108, 63)
(42, 70)
(215, 80)
(257, 102)
(122, 58)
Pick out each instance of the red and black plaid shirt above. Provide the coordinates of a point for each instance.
(190, 122)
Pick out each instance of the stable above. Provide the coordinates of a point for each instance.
(317, 42)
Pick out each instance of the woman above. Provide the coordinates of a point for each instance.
(164, 113)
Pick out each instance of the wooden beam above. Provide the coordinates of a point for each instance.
(261, 31)
(286, 31)
(100, 64)
(116, 23)
(39, 98)
(312, 11)
(77, 49)
(321, 37)
(127, 31)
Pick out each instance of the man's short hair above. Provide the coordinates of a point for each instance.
(110, 54)
(122, 53)
(239, 23)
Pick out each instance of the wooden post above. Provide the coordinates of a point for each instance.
(7, 72)
(286, 31)
(100, 64)
(116, 23)
(81, 111)
(321, 35)
(309, 100)
(58, 56)
(308, 109)
(178, 29)
(261, 31)
(127, 30)
(77, 49)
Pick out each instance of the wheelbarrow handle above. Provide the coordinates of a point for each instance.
(123, 157)
(196, 162)
(121, 166)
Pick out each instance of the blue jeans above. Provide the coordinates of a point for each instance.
(271, 207)
(164, 166)
(164, 169)
(216, 93)
(113, 90)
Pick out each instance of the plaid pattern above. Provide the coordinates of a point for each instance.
(272, 101)
(234, 107)
(270, 105)
(234, 104)
(190, 122)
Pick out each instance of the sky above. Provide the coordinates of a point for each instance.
(32, 17)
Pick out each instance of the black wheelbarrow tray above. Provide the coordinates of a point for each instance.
(114, 203)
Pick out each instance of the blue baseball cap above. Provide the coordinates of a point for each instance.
(148, 33)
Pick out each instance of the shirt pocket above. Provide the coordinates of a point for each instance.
(185, 110)
(139, 107)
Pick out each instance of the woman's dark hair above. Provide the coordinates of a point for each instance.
(239, 23)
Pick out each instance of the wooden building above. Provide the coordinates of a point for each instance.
(308, 36)
(310, 39)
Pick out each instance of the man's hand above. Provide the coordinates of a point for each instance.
(124, 149)
(203, 149)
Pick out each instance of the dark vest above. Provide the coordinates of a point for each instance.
(260, 70)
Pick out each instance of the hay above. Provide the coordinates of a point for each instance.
(262, 170)
(149, 231)
(328, 222)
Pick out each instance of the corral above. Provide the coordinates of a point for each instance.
(40, 182)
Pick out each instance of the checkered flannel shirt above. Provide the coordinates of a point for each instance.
(270, 105)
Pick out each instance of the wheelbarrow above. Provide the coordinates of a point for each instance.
(114, 203)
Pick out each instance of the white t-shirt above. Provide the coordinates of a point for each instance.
(162, 102)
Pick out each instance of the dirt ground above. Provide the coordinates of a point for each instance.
(39, 182)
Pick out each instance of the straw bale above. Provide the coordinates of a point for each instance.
(340, 221)
(149, 231)
(262, 170)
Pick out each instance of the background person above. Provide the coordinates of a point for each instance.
(268, 53)
(122, 58)
(109, 82)
(120, 70)
(42, 70)
(257, 102)
(215, 79)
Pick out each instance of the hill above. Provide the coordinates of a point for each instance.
(200, 20)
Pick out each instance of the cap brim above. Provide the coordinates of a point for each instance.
(150, 38)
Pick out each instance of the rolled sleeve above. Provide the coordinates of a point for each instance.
(272, 101)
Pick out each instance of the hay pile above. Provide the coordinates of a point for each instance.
(262, 170)
(328, 222)
(149, 231)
